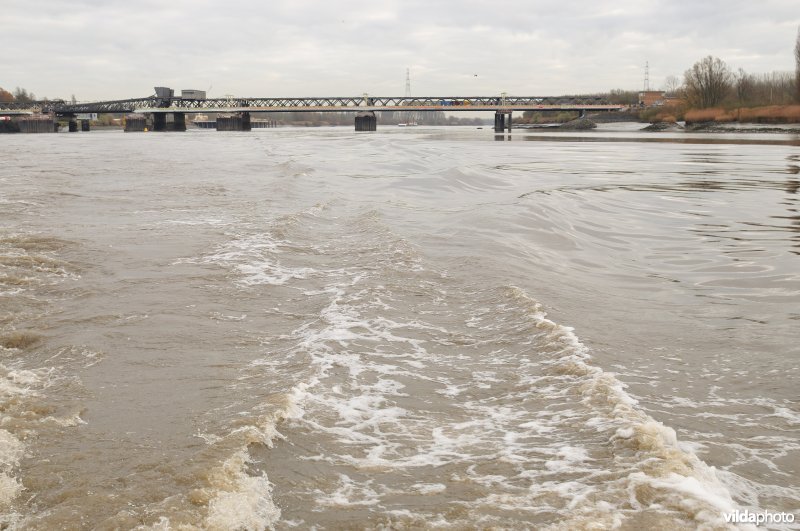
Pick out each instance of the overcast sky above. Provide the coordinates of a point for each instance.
(111, 49)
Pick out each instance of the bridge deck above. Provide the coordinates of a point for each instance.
(332, 104)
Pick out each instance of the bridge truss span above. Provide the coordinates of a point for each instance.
(378, 103)
(319, 104)
(156, 109)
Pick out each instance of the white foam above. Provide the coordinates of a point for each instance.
(703, 498)
(11, 451)
(569, 458)
(14, 384)
(452, 390)
(214, 222)
(254, 259)
(218, 316)
(429, 488)
(349, 494)
(23, 377)
(270, 272)
(698, 491)
(241, 501)
(785, 413)
(162, 524)
(65, 422)
(353, 401)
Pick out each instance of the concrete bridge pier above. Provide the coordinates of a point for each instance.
(162, 122)
(159, 121)
(366, 121)
(85, 125)
(500, 121)
(238, 122)
(135, 123)
(37, 123)
(179, 121)
(73, 125)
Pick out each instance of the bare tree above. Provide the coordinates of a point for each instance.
(797, 66)
(20, 94)
(623, 97)
(744, 87)
(671, 85)
(774, 88)
(708, 82)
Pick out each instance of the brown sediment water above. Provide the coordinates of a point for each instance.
(290, 328)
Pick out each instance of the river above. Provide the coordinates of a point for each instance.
(418, 327)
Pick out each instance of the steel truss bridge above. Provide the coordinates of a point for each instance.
(363, 103)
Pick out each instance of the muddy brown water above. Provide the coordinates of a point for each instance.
(411, 328)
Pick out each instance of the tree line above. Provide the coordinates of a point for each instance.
(19, 94)
(711, 83)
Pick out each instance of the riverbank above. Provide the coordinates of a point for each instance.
(716, 127)
(722, 127)
(771, 114)
(665, 127)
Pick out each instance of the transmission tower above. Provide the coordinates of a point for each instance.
(408, 83)
(647, 76)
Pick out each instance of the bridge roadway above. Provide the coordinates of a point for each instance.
(346, 104)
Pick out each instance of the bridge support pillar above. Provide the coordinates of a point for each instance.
(159, 121)
(366, 121)
(135, 123)
(179, 121)
(73, 125)
(500, 121)
(85, 125)
(37, 123)
(238, 122)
